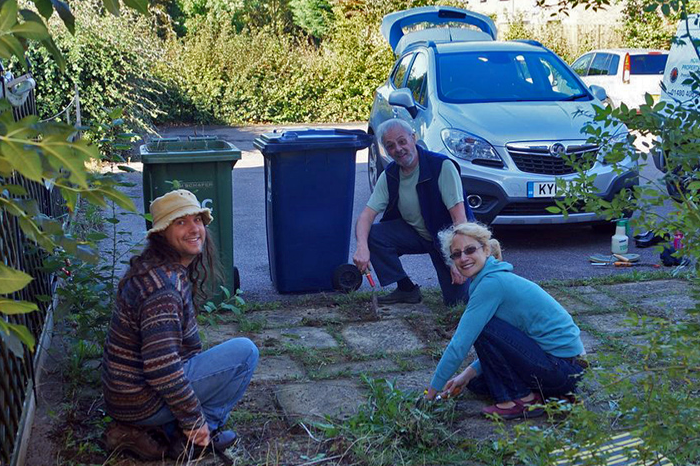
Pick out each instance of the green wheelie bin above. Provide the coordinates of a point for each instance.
(204, 166)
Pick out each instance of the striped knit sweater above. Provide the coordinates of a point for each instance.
(153, 332)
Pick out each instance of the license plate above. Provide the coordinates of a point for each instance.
(541, 188)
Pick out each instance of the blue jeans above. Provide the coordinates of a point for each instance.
(390, 240)
(513, 365)
(219, 377)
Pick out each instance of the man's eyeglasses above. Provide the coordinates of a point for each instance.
(467, 252)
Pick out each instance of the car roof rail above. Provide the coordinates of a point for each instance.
(536, 43)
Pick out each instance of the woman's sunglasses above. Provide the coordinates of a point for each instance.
(467, 252)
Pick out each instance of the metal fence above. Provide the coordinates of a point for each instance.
(17, 374)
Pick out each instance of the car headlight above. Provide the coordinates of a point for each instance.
(468, 146)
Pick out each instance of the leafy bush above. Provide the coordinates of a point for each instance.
(109, 58)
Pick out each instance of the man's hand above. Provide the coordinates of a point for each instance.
(457, 278)
(361, 258)
(200, 436)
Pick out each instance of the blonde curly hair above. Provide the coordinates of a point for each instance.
(474, 230)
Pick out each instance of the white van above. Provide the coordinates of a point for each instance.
(682, 60)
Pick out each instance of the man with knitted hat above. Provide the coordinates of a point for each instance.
(154, 371)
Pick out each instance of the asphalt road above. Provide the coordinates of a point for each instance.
(541, 253)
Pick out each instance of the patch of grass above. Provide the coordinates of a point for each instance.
(634, 276)
(395, 427)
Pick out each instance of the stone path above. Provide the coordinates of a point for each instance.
(312, 356)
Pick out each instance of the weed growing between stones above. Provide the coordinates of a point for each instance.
(393, 427)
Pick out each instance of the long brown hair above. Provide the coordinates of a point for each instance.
(204, 272)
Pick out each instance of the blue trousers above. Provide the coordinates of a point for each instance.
(513, 365)
(392, 239)
(219, 377)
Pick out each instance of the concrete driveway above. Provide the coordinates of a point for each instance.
(537, 253)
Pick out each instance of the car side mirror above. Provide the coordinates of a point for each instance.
(404, 98)
(598, 92)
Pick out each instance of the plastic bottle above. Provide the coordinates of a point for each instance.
(678, 241)
(620, 241)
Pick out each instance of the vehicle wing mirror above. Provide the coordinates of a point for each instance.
(598, 92)
(404, 98)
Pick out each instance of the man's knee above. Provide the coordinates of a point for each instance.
(244, 350)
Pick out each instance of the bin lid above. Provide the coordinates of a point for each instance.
(192, 149)
(312, 139)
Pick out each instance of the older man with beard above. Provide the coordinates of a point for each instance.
(420, 193)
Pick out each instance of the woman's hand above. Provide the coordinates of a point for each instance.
(455, 385)
(430, 394)
(457, 277)
(200, 436)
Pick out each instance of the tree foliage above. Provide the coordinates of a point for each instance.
(45, 153)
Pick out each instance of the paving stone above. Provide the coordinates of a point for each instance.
(309, 337)
(276, 368)
(583, 290)
(574, 306)
(590, 343)
(608, 323)
(219, 334)
(673, 306)
(415, 381)
(635, 290)
(388, 336)
(394, 311)
(296, 317)
(469, 405)
(358, 367)
(314, 400)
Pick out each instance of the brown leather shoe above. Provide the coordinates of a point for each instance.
(137, 440)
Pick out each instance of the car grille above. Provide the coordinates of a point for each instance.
(534, 208)
(537, 158)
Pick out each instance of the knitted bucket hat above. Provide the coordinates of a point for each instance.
(173, 205)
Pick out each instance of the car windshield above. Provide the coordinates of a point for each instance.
(500, 76)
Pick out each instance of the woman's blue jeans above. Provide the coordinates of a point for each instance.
(219, 377)
(513, 365)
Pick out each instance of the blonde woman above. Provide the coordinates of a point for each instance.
(527, 344)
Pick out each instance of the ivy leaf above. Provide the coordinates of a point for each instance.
(56, 54)
(12, 280)
(8, 15)
(139, 5)
(65, 14)
(112, 6)
(10, 306)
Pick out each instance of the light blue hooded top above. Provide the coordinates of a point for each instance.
(497, 292)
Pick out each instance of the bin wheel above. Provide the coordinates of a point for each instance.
(347, 278)
(236, 280)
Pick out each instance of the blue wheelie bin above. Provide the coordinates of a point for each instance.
(309, 190)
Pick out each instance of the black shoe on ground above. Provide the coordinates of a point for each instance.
(405, 297)
(146, 443)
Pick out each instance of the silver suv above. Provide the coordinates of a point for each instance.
(505, 111)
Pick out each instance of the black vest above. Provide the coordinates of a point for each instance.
(435, 215)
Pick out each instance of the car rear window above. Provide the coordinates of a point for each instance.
(648, 64)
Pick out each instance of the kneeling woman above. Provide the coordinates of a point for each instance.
(154, 370)
(527, 345)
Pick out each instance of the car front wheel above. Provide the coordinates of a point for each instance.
(374, 165)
